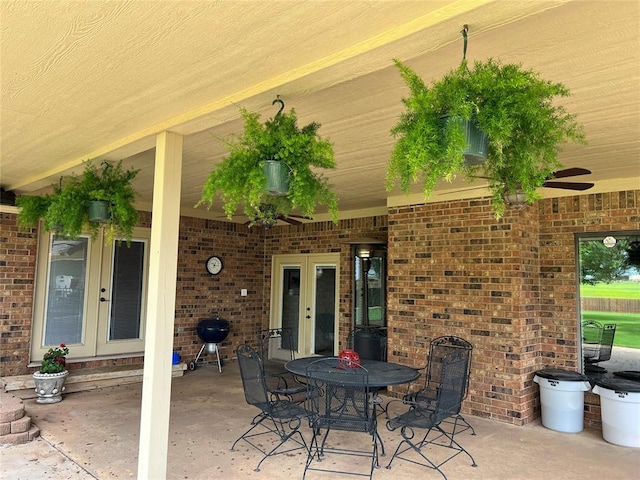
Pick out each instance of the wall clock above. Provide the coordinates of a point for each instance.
(214, 265)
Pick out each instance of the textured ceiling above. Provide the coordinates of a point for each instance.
(99, 79)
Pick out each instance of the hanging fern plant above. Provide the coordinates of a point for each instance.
(65, 212)
(515, 107)
(240, 180)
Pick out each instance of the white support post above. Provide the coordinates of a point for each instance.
(156, 386)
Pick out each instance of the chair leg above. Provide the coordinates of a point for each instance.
(284, 439)
(464, 425)
(278, 429)
(318, 450)
(378, 410)
(257, 420)
(417, 449)
(408, 435)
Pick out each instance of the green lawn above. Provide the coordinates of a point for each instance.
(627, 326)
(612, 290)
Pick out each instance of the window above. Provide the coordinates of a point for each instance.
(609, 288)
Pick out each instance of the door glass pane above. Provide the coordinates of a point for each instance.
(65, 291)
(325, 307)
(370, 291)
(126, 291)
(291, 303)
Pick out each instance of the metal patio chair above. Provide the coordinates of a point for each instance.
(343, 405)
(279, 419)
(438, 348)
(597, 344)
(425, 413)
(280, 382)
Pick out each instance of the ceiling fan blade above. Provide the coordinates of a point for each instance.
(569, 185)
(570, 172)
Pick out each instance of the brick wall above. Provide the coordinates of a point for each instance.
(560, 220)
(246, 256)
(509, 286)
(17, 271)
(201, 295)
(198, 295)
(455, 270)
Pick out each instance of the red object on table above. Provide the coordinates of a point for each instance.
(349, 359)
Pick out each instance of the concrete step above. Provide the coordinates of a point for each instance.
(20, 438)
(23, 386)
(15, 426)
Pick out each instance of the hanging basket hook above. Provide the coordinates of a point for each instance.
(465, 29)
(281, 102)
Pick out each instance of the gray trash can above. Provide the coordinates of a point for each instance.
(370, 343)
(562, 399)
(620, 410)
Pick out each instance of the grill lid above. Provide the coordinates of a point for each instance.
(213, 330)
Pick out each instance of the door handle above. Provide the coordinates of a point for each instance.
(102, 299)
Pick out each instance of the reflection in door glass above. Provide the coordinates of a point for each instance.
(325, 308)
(291, 303)
(370, 290)
(610, 305)
(65, 291)
(126, 291)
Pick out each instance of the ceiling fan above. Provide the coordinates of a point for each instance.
(269, 217)
(568, 172)
(551, 183)
(290, 219)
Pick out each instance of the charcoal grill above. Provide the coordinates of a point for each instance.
(212, 331)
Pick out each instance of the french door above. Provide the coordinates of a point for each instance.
(91, 295)
(304, 293)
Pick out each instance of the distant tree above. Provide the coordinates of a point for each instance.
(600, 264)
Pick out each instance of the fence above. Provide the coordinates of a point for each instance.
(617, 305)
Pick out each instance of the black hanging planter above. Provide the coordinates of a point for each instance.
(99, 211)
(477, 141)
(277, 177)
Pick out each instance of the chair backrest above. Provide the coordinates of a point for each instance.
(252, 374)
(606, 343)
(277, 343)
(440, 348)
(597, 341)
(591, 337)
(344, 402)
(451, 389)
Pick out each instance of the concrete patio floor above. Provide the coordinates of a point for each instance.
(94, 435)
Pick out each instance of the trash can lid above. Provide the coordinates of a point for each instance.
(628, 374)
(560, 374)
(619, 385)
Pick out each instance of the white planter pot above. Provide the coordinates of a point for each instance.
(49, 386)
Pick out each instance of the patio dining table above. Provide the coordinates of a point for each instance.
(380, 374)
